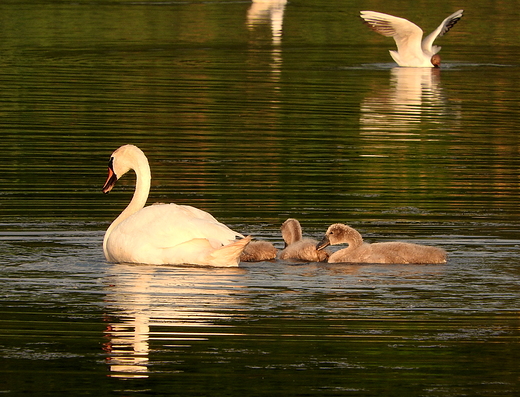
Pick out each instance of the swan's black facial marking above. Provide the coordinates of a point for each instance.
(111, 178)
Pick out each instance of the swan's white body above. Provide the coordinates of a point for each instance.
(164, 233)
(411, 51)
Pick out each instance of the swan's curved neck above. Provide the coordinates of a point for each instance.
(142, 189)
(291, 231)
(353, 238)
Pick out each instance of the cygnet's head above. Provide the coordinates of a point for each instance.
(436, 60)
(336, 234)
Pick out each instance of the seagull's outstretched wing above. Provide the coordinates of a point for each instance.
(406, 34)
(444, 27)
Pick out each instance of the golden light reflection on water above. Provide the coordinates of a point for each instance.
(270, 12)
(414, 96)
(148, 304)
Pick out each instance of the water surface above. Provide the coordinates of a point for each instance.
(257, 112)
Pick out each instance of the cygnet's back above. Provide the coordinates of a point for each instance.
(388, 252)
(401, 252)
(257, 251)
(298, 247)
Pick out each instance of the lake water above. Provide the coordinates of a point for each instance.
(257, 112)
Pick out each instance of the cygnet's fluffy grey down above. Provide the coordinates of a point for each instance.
(388, 252)
(299, 247)
(257, 251)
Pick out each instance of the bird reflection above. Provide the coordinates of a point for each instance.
(128, 347)
(269, 12)
(143, 299)
(415, 95)
(128, 340)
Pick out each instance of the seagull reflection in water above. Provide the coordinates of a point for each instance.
(415, 95)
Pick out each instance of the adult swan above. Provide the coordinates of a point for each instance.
(164, 233)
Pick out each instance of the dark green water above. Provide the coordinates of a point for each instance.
(257, 114)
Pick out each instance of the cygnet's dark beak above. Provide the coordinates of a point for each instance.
(111, 179)
(325, 242)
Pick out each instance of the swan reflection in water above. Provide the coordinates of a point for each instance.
(269, 12)
(415, 96)
(128, 340)
(146, 303)
(155, 313)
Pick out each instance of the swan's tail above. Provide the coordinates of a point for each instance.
(228, 255)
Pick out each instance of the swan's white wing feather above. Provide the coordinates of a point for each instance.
(146, 235)
(169, 225)
(441, 30)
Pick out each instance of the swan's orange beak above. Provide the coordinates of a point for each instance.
(111, 179)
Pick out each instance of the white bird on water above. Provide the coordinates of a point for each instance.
(164, 233)
(412, 50)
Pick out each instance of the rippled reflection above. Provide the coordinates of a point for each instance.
(148, 303)
(269, 12)
(128, 345)
(415, 95)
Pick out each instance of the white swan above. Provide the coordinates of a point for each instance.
(298, 247)
(411, 51)
(388, 252)
(164, 233)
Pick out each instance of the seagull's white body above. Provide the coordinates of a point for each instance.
(412, 49)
